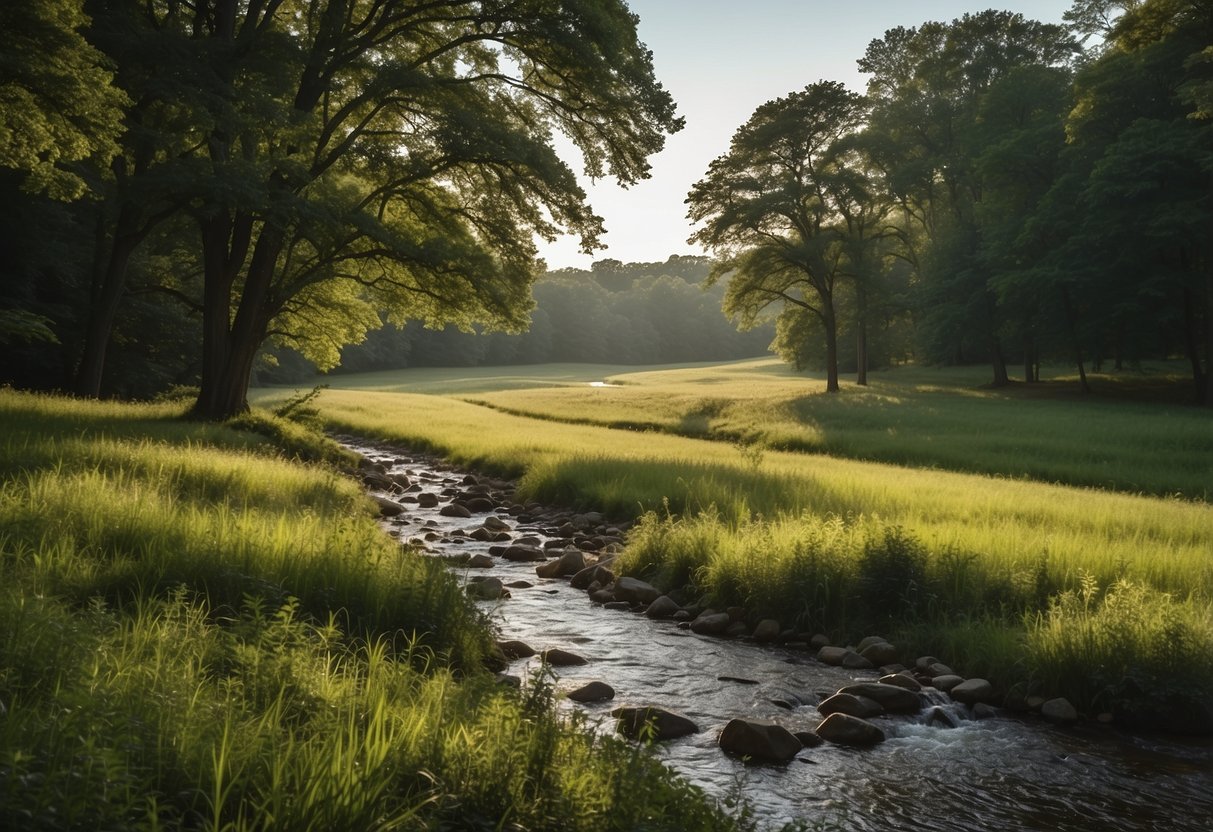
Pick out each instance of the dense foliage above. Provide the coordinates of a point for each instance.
(290, 171)
(1003, 191)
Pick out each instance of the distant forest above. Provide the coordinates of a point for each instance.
(614, 313)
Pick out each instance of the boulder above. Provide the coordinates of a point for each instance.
(568, 563)
(663, 607)
(489, 589)
(652, 723)
(901, 680)
(736, 630)
(427, 500)
(808, 739)
(514, 649)
(495, 524)
(844, 729)
(388, 508)
(892, 698)
(522, 553)
(767, 630)
(592, 692)
(1059, 710)
(849, 703)
(869, 641)
(972, 691)
(562, 658)
(455, 510)
(946, 683)
(879, 653)
(520, 584)
(480, 562)
(832, 655)
(587, 576)
(759, 740)
(479, 505)
(602, 596)
(635, 591)
(816, 641)
(711, 623)
(854, 661)
(937, 717)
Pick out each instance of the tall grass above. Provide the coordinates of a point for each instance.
(197, 633)
(965, 562)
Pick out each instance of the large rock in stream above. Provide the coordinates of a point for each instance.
(759, 740)
(892, 698)
(843, 729)
(652, 723)
(635, 591)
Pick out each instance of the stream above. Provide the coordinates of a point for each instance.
(1005, 772)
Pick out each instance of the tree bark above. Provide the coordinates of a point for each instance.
(831, 327)
(998, 362)
(230, 349)
(861, 346)
(1191, 345)
(1075, 344)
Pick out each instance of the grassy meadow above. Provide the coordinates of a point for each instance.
(1028, 536)
(200, 629)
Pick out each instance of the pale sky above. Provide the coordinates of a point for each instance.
(721, 59)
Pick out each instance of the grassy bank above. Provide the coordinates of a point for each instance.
(196, 632)
(985, 568)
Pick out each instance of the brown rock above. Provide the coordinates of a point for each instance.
(844, 729)
(562, 658)
(767, 630)
(972, 691)
(663, 607)
(892, 698)
(847, 703)
(592, 692)
(759, 740)
(652, 723)
(711, 623)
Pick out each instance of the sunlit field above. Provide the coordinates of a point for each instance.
(199, 630)
(982, 563)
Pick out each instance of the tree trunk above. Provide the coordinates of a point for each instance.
(229, 350)
(110, 261)
(1029, 359)
(1191, 344)
(1076, 345)
(831, 328)
(999, 362)
(861, 345)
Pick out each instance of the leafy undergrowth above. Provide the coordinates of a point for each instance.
(198, 633)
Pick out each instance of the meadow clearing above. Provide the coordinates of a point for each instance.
(1029, 536)
(202, 628)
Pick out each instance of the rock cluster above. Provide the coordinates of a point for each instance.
(582, 548)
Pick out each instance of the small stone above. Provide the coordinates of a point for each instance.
(489, 589)
(818, 641)
(455, 510)
(854, 661)
(937, 717)
(480, 562)
(427, 500)
(832, 655)
(869, 641)
(388, 508)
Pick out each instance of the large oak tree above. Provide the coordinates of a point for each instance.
(357, 157)
(788, 208)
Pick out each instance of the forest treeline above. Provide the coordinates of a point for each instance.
(1017, 197)
(187, 194)
(612, 313)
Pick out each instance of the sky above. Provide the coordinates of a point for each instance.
(721, 59)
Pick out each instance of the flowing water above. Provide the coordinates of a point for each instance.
(999, 773)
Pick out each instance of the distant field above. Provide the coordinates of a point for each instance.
(922, 418)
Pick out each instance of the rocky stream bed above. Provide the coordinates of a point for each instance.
(843, 736)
